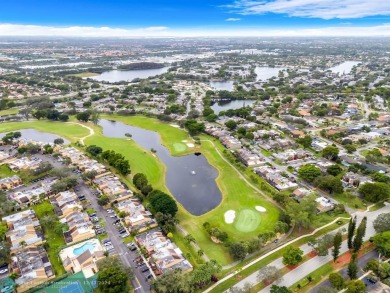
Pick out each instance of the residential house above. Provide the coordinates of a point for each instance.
(24, 163)
(10, 182)
(249, 159)
(163, 254)
(80, 227)
(33, 267)
(137, 217)
(275, 178)
(82, 257)
(23, 230)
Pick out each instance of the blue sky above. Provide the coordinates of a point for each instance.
(195, 18)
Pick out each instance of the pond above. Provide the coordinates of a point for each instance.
(190, 178)
(227, 85)
(35, 135)
(231, 104)
(344, 68)
(265, 73)
(128, 75)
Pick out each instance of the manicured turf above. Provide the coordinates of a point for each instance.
(247, 220)
(169, 135)
(69, 131)
(179, 147)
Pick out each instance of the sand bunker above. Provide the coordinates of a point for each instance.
(184, 140)
(229, 216)
(174, 125)
(260, 209)
(190, 145)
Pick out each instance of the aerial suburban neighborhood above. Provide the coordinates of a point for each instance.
(180, 165)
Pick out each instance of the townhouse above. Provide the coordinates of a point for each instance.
(163, 254)
(137, 217)
(23, 230)
(10, 182)
(33, 266)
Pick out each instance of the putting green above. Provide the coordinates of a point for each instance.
(247, 220)
(179, 147)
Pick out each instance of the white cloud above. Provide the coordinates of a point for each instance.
(78, 31)
(326, 9)
(232, 19)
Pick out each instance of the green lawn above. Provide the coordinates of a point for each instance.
(5, 171)
(69, 131)
(9, 111)
(54, 242)
(350, 200)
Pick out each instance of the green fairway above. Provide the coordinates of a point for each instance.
(169, 134)
(247, 220)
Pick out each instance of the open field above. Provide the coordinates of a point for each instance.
(5, 171)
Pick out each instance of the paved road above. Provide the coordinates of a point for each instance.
(126, 256)
(362, 261)
(307, 267)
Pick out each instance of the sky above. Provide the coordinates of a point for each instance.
(195, 18)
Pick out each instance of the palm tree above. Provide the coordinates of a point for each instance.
(188, 239)
(23, 243)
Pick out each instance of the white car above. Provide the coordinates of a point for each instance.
(3, 271)
(110, 211)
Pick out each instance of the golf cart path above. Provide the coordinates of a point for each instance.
(91, 131)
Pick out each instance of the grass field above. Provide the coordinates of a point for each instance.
(5, 171)
(69, 131)
(9, 111)
(84, 74)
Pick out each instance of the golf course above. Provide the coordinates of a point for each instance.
(252, 212)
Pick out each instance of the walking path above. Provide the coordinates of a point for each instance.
(91, 131)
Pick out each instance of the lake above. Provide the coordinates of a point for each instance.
(227, 85)
(344, 68)
(35, 135)
(190, 178)
(129, 75)
(232, 104)
(265, 73)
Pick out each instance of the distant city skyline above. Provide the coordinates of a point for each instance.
(199, 18)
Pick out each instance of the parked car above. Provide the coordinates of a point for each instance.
(3, 271)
